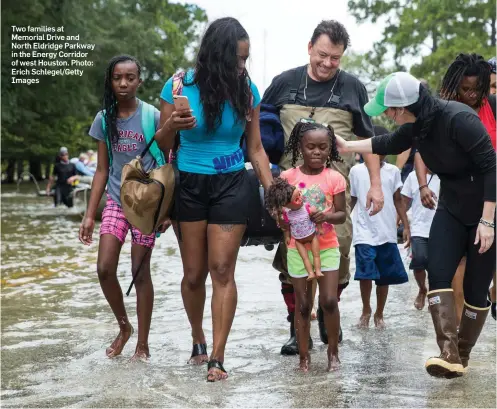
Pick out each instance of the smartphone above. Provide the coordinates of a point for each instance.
(181, 103)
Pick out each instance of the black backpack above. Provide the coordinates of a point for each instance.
(261, 227)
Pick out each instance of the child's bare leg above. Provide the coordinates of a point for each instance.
(381, 300)
(366, 287)
(108, 257)
(303, 302)
(316, 255)
(328, 299)
(305, 258)
(313, 309)
(420, 276)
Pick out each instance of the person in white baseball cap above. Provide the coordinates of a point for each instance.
(399, 89)
(455, 145)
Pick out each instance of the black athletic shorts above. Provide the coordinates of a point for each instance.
(219, 199)
(419, 251)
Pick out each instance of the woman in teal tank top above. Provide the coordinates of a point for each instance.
(213, 181)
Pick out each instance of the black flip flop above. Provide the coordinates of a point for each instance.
(199, 349)
(214, 363)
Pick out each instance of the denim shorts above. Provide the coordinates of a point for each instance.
(380, 263)
(419, 250)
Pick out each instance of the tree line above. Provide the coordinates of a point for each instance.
(39, 118)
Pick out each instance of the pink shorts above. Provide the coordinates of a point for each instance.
(114, 222)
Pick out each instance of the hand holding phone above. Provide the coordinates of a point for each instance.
(182, 105)
(181, 118)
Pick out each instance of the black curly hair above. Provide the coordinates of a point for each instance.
(110, 101)
(466, 65)
(216, 72)
(279, 194)
(336, 32)
(293, 145)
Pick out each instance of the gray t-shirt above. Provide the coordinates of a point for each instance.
(130, 144)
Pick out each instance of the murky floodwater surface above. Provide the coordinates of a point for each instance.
(56, 325)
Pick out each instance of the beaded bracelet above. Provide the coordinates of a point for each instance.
(487, 223)
(422, 187)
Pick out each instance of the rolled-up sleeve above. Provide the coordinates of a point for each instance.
(471, 135)
(393, 143)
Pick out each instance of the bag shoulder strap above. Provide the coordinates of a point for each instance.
(107, 138)
(148, 125)
(178, 83)
(177, 90)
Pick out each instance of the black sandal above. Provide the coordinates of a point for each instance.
(214, 363)
(198, 349)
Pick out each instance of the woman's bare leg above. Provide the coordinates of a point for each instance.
(193, 248)
(224, 244)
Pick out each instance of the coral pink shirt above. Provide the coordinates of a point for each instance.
(318, 192)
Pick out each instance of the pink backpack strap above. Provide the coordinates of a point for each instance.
(177, 90)
(178, 83)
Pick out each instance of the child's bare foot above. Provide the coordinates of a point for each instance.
(419, 302)
(364, 320)
(333, 362)
(305, 363)
(319, 274)
(378, 322)
(117, 346)
(141, 353)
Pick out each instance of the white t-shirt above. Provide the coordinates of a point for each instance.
(382, 227)
(421, 216)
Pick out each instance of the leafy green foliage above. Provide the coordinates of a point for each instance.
(433, 31)
(39, 118)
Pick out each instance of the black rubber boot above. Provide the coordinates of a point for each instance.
(291, 347)
(323, 335)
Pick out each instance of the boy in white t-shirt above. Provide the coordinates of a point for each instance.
(375, 238)
(420, 230)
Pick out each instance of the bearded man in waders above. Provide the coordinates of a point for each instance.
(322, 92)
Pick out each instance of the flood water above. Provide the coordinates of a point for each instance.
(56, 325)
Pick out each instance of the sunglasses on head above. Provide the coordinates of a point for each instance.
(307, 121)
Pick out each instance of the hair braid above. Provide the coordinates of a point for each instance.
(293, 145)
(110, 101)
(466, 65)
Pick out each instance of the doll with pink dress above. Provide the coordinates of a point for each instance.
(287, 201)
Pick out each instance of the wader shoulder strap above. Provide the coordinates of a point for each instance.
(297, 80)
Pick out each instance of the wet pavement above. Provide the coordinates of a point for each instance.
(56, 325)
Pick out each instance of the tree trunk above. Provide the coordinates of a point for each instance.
(47, 170)
(20, 168)
(494, 33)
(11, 167)
(35, 168)
(434, 35)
